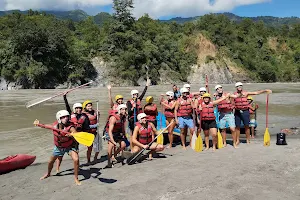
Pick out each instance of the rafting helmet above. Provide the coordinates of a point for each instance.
(86, 103)
(121, 106)
(238, 84)
(118, 97)
(250, 98)
(60, 114)
(76, 105)
(206, 95)
(218, 86)
(170, 94)
(186, 86)
(183, 90)
(133, 92)
(141, 116)
(149, 99)
(202, 89)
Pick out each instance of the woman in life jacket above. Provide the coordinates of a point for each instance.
(118, 99)
(241, 113)
(144, 132)
(150, 109)
(184, 115)
(208, 119)
(115, 128)
(198, 101)
(80, 121)
(93, 118)
(252, 110)
(169, 106)
(63, 143)
(226, 116)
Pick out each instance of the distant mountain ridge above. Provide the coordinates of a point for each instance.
(100, 18)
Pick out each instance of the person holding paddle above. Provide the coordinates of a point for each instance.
(64, 142)
(115, 128)
(143, 134)
(92, 115)
(242, 109)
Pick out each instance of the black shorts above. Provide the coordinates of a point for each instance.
(118, 137)
(207, 124)
(131, 124)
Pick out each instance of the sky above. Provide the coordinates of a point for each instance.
(165, 9)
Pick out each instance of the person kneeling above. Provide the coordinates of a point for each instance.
(143, 134)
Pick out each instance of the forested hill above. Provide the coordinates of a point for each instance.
(38, 50)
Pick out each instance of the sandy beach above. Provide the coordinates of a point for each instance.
(250, 172)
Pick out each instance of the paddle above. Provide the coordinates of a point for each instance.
(220, 138)
(160, 139)
(38, 101)
(199, 141)
(206, 83)
(134, 157)
(97, 144)
(267, 134)
(83, 138)
(194, 137)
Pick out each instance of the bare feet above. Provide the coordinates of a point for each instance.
(214, 149)
(184, 148)
(253, 136)
(77, 182)
(235, 146)
(206, 148)
(45, 176)
(225, 144)
(248, 141)
(237, 143)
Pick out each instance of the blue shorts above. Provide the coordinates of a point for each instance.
(242, 116)
(185, 122)
(252, 123)
(226, 117)
(61, 151)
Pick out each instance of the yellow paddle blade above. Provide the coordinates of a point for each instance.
(220, 140)
(193, 140)
(84, 138)
(199, 144)
(267, 139)
(160, 139)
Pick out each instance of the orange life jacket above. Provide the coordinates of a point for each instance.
(60, 140)
(93, 120)
(169, 112)
(185, 107)
(200, 100)
(207, 112)
(119, 124)
(151, 113)
(241, 103)
(139, 108)
(225, 105)
(78, 122)
(145, 134)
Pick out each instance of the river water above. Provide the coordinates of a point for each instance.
(18, 135)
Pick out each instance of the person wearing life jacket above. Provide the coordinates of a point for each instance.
(115, 127)
(150, 109)
(226, 115)
(176, 92)
(198, 101)
(252, 110)
(144, 133)
(63, 143)
(208, 119)
(242, 110)
(93, 118)
(169, 106)
(184, 115)
(118, 99)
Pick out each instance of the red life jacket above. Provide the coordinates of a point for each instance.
(93, 120)
(78, 122)
(60, 140)
(119, 124)
(185, 108)
(207, 111)
(255, 106)
(225, 105)
(241, 103)
(169, 112)
(139, 108)
(200, 100)
(151, 113)
(145, 134)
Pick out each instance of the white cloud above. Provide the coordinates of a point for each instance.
(155, 8)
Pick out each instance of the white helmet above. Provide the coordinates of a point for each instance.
(170, 93)
(202, 89)
(238, 84)
(218, 86)
(186, 86)
(60, 114)
(121, 106)
(182, 90)
(77, 105)
(134, 92)
(141, 116)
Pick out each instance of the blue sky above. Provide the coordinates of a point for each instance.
(164, 9)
